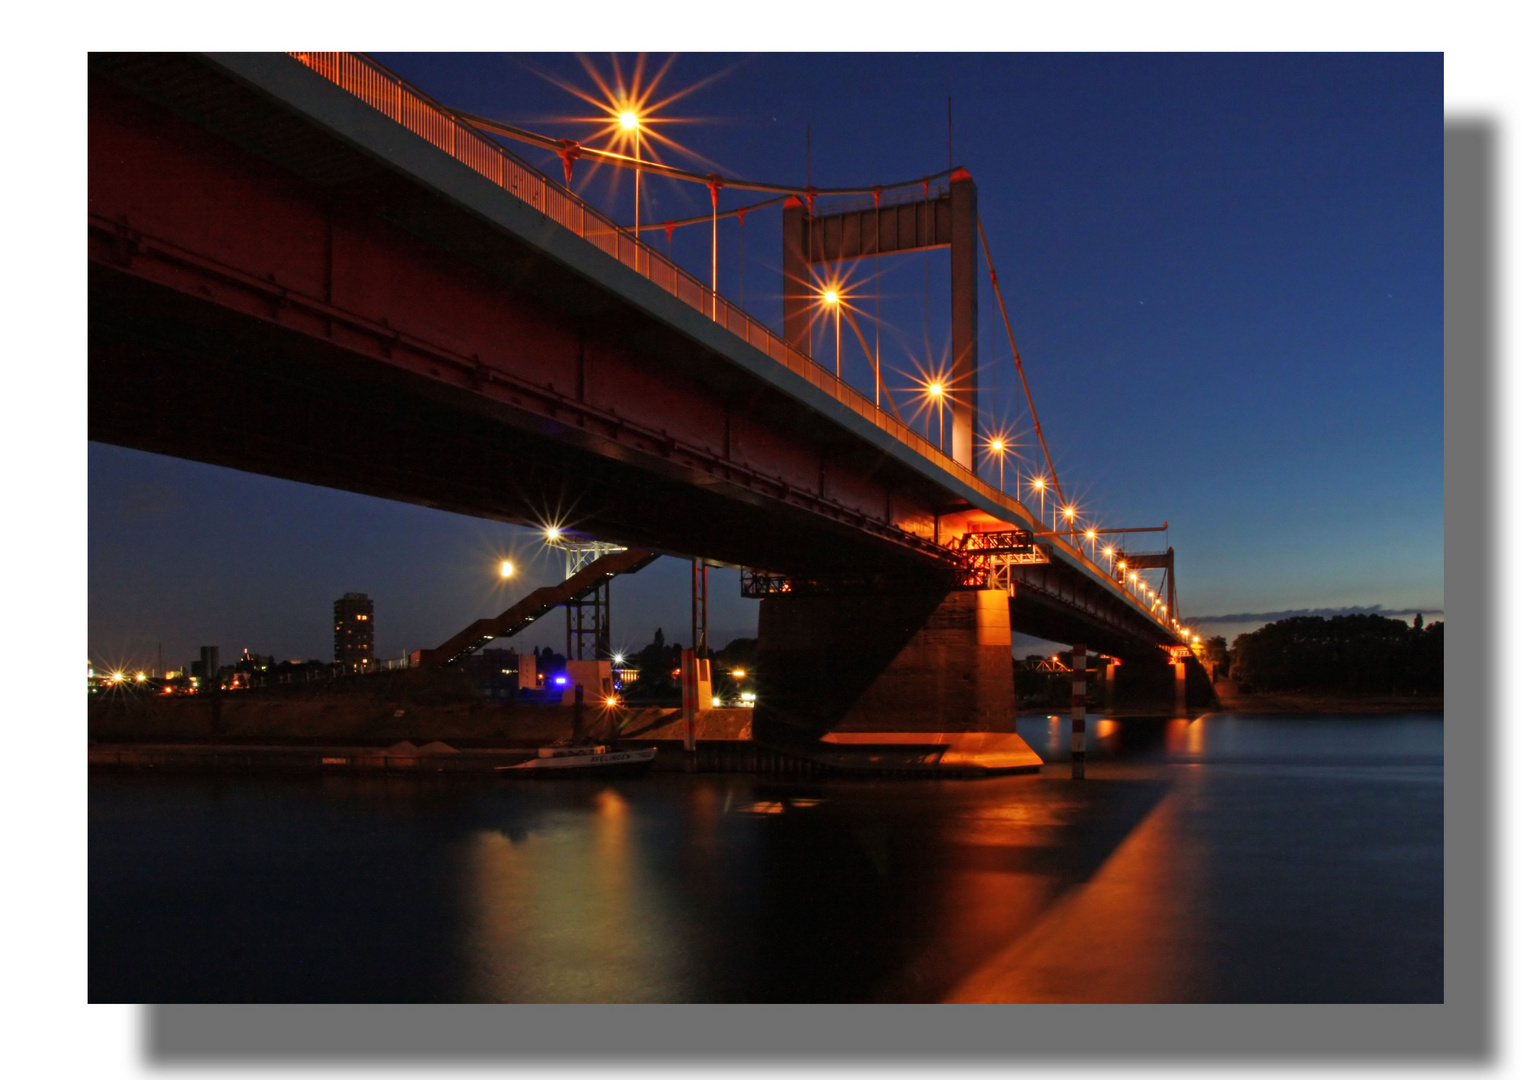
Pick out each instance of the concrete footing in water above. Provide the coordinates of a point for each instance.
(886, 661)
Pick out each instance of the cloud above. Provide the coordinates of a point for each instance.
(1274, 616)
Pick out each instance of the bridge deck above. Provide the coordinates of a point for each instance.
(325, 294)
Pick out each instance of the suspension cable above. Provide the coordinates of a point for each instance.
(1018, 362)
(569, 148)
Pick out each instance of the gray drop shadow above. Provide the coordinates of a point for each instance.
(1464, 1030)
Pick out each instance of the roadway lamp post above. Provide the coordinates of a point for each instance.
(1038, 484)
(936, 392)
(998, 448)
(631, 122)
(834, 301)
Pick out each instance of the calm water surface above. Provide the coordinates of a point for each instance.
(1231, 858)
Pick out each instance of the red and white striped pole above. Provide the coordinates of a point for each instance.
(689, 687)
(1078, 712)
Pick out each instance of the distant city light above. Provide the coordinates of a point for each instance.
(560, 680)
(739, 673)
(715, 703)
(611, 702)
(749, 697)
(618, 659)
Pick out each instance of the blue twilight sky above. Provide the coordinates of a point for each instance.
(1224, 274)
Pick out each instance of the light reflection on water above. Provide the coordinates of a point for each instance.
(1215, 859)
(568, 913)
(1226, 737)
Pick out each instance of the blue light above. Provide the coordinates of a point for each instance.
(560, 680)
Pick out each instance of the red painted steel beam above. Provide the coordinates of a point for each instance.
(191, 230)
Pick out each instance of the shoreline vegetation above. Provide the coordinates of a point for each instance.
(1233, 700)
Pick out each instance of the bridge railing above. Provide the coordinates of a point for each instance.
(430, 120)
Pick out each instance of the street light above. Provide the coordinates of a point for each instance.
(999, 448)
(1038, 485)
(936, 392)
(506, 569)
(629, 121)
(833, 300)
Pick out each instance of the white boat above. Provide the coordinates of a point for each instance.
(564, 760)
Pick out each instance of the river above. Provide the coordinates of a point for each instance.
(1226, 859)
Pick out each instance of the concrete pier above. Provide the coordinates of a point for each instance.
(884, 662)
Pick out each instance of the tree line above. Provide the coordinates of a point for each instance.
(1343, 654)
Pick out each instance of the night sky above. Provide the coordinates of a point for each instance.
(1224, 274)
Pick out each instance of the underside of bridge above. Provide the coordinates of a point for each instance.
(339, 303)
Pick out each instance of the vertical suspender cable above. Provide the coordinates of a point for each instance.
(889, 397)
(877, 298)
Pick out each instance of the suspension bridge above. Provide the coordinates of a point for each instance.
(300, 265)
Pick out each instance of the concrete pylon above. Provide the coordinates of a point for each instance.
(964, 406)
(928, 661)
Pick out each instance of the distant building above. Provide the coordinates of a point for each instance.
(354, 636)
(208, 666)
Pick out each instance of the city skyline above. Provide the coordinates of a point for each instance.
(1224, 275)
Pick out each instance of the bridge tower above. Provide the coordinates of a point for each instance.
(946, 219)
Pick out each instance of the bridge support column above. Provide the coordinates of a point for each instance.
(1109, 664)
(1078, 712)
(930, 661)
(1180, 680)
(963, 290)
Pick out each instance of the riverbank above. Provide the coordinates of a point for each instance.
(507, 734)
